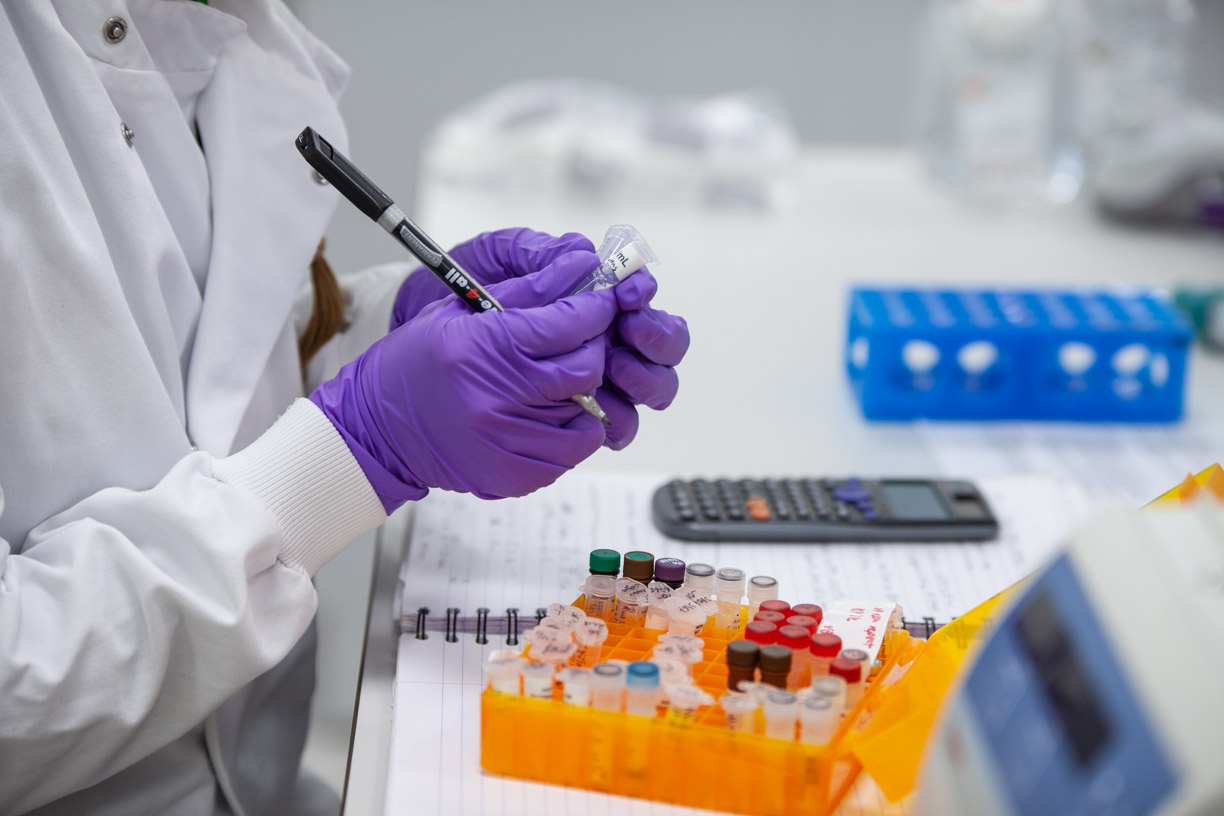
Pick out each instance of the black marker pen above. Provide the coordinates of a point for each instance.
(371, 200)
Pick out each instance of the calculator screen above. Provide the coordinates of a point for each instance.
(913, 502)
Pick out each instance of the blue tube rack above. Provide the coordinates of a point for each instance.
(1116, 355)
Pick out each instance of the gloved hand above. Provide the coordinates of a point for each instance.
(478, 402)
(642, 348)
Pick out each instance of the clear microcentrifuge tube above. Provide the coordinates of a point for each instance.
(656, 615)
(817, 720)
(631, 600)
(608, 687)
(576, 686)
(699, 576)
(503, 671)
(740, 710)
(833, 688)
(557, 653)
(760, 588)
(729, 588)
(781, 711)
(623, 252)
(562, 623)
(684, 617)
(689, 642)
(538, 680)
(641, 689)
(683, 701)
(600, 592)
(590, 637)
(560, 609)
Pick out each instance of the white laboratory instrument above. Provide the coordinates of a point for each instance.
(1097, 691)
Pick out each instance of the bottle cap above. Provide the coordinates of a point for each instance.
(803, 621)
(774, 605)
(763, 586)
(742, 653)
(761, 632)
(639, 566)
(850, 670)
(605, 562)
(775, 658)
(825, 644)
(776, 618)
(642, 675)
(811, 610)
(670, 570)
(699, 574)
(793, 637)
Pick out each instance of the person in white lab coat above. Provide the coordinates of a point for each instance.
(165, 494)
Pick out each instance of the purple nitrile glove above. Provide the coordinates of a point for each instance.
(478, 402)
(641, 352)
(490, 257)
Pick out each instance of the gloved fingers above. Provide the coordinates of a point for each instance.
(654, 334)
(576, 372)
(519, 468)
(644, 383)
(635, 291)
(511, 253)
(559, 327)
(622, 418)
(552, 282)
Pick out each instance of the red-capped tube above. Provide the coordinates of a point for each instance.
(824, 647)
(811, 610)
(804, 621)
(761, 632)
(774, 605)
(776, 618)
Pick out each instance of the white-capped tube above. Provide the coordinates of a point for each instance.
(833, 688)
(729, 589)
(623, 252)
(503, 671)
(608, 687)
(576, 686)
(781, 711)
(683, 702)
(740, 710)
(538, 680)
(817, 720)
(699, 576)
(760, 588)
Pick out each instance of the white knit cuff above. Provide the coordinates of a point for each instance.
(303, 471)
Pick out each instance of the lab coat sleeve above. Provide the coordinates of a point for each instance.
(369, 297)
(128, 618)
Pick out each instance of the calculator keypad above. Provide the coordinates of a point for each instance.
(850, 500)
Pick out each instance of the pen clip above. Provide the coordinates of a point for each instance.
(340, 172)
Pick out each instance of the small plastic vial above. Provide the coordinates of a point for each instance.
(576, 687)
(849, 670)
(641, 688)
(683, 702)
(608, 687)
(623, 252)
(824, 647)
(742, 657)
(810, 610)
(760, 588)
(803, 621)
(589, 638)
(656, 615)
(833, 688)
(699, 576)
(796, 638)
(775, 665)
(538, 680)
(859, 656)
(729, 588)
(639, 565)
(817, 720)
(669, 571)
(503, 671)
(774, 605)
(684, 617)
(740, 710)
(781, 711)
(769, 616)
(600, 592)
(605, 562)
(761, 633)
(631, 600)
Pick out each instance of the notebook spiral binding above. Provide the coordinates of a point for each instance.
(452, 625)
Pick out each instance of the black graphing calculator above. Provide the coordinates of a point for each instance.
(823, 509)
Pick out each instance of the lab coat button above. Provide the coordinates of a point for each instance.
(128, 133)
(115, 29)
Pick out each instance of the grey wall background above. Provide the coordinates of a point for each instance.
(842, 67)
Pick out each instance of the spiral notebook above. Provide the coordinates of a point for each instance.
(475, 573)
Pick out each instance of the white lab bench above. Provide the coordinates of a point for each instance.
(763, 389)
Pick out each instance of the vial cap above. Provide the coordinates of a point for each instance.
(730, 577)
(774, 605)
(825, 644)
(603, 586)
(742, 653)
(605, 562)
(776, 618)
(642, 674)
(794, 637)
(761, 632)
(611, 671)
(850, 670)
(775, 658)
(639, 566)
(804, 622)
(811, 610)
(762, 582)
(669, 569)
(857, 655)
(697, 570)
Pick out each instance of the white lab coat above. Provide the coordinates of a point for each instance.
(156, 650)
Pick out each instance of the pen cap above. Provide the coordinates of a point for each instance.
(774, 605)
(639, 566)
(742, 653)
(669, 570)
(761, 632)
(825, 644)
(729, 583)
(699, 575)
(762, 588)
(605, 562)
